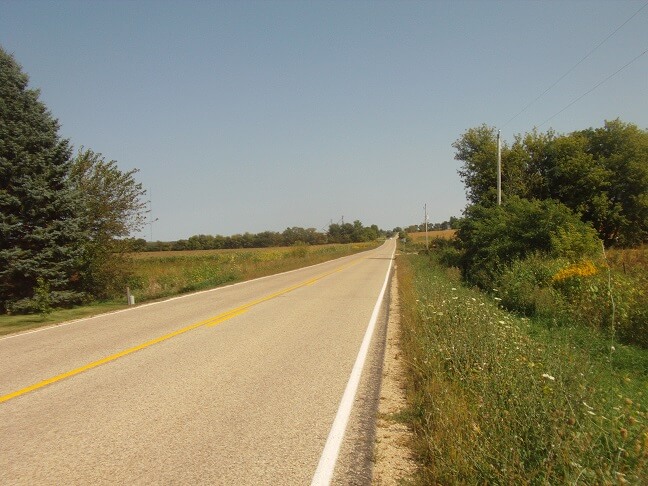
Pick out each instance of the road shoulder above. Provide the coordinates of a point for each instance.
(393, 459)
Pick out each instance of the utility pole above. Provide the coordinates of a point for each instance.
(151, 223)
(499, 169)
(150, 217)
(427, 247)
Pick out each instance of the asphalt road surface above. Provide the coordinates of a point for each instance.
(238, 385)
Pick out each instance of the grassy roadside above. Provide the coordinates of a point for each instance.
(165, 274)
(498, 399)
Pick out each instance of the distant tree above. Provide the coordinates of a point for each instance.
(138, 244)
(42, 230)
(352, 233)
(267, 239)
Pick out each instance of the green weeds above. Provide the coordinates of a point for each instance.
(501, 399)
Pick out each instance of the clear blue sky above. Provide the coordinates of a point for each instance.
(247, 116)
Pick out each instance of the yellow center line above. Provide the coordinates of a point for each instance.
(212, 321)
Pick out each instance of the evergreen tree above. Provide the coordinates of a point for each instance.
(41, 236)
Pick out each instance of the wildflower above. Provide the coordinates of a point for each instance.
(453, 288)
(582, 269)
(548, 377)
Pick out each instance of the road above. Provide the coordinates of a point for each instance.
(237, 385)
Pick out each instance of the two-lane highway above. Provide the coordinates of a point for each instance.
(238, 385)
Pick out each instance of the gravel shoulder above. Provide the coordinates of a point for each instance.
(394, 462)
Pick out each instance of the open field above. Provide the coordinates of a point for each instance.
(161, 274)
(156, 275)
(432, 235)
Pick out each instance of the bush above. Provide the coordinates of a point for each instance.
(577, 293)
(525, 287)
(494, 237)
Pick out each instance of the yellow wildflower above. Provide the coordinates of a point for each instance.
(582, 269)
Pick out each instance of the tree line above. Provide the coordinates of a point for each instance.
(601, 174)
(337, 233)
(451, 223)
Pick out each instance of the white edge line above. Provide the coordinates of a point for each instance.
(184, 296)
(324, 472)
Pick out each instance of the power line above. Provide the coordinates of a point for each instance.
(592, 89)
(576, 65)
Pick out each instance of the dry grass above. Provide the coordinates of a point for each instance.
(162, 274)
(632, 261)
(432, 235)
(206, 253)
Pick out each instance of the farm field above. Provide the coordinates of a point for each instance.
(432, 235)
(157, 275)
(161, 274)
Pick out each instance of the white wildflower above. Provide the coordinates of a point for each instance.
(548, 377)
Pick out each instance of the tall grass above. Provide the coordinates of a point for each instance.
(609, 294)
(163, 274)
(169, 273)
(500, 399)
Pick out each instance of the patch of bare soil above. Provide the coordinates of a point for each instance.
(394, 461)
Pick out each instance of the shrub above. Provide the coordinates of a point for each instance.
(493, 237)
(525, 287)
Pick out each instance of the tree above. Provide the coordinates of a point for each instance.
(41, 229)
(477, 149)
(113, 208)
(600, 174)
(112, 199)
(621, 149)
(495, 236)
